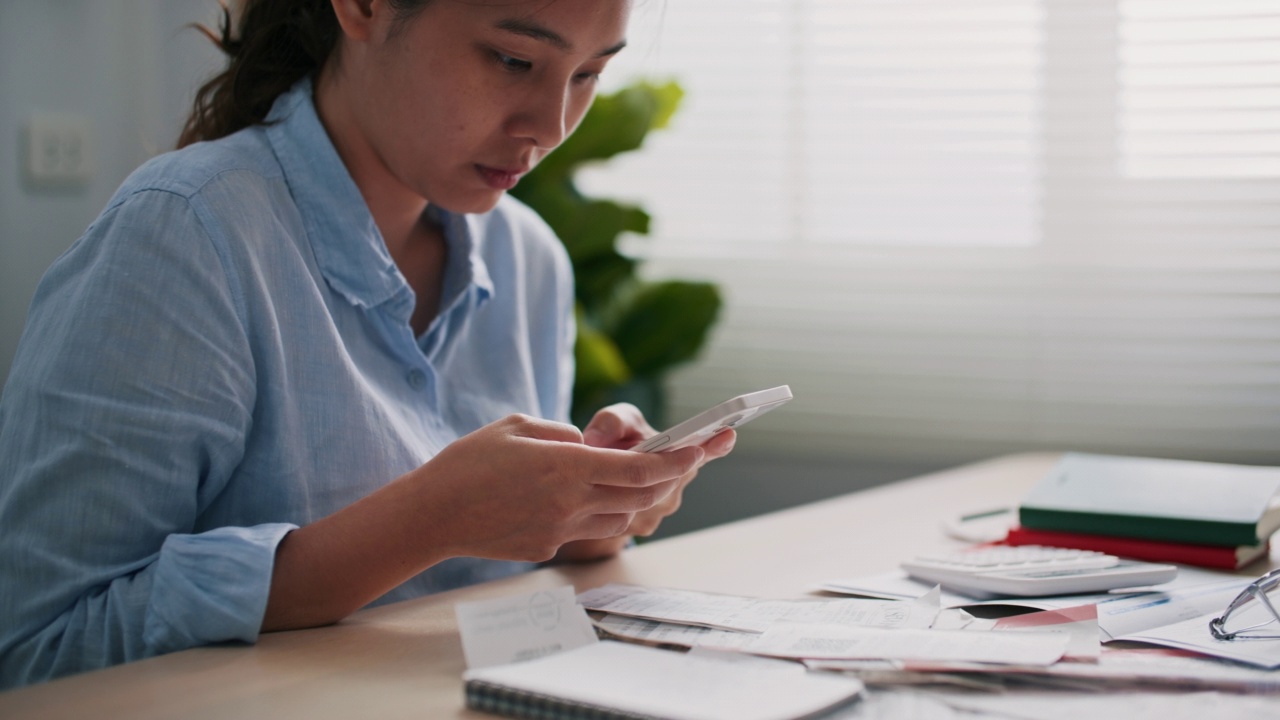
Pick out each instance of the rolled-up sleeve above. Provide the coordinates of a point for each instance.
(125, 414)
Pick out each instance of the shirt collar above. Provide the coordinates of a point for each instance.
(466, 266)
(349, 249)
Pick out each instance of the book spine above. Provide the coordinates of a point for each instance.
(1150, 551)
(511, 702)
(1176, 530)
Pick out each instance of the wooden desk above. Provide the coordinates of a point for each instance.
(405, 660)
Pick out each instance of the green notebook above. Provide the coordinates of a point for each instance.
(1171, 500)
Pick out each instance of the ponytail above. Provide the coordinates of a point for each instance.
(276, 43)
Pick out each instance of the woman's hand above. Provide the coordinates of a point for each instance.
(517, 489)
(622, 426)
(525, 487)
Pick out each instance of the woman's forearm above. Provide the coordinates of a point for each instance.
(329, 569)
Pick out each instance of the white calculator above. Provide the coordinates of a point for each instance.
(1033, 570)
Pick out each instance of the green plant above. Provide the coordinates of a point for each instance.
(631, 332)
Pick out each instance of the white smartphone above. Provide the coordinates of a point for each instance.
(730, 413)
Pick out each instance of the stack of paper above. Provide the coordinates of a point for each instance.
(808, 629)
(528, 656)
(1175, 616)
(744, 657)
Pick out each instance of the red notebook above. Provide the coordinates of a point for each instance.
(1230, 558)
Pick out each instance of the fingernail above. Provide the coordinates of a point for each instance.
(592, 437)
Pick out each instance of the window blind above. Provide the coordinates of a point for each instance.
(1199, 89)
(965, 229)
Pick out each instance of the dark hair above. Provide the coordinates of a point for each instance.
(275, 44)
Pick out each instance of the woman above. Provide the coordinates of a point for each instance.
(316, 358)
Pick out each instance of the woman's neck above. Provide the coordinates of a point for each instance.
(416, 244)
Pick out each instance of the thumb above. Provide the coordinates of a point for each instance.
(618, 426)
(603, 431)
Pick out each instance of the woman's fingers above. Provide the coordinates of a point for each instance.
(624, 468)
(619, 426)
(720, 444)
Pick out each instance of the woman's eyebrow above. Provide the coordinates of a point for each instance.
(538, 32)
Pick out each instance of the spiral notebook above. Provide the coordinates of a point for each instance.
(619, 681)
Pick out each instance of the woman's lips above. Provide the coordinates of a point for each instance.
(500, 178)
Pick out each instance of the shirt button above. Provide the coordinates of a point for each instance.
(416, 379)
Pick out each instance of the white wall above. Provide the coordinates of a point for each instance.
(127, 65)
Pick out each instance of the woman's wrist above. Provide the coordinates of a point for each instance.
(330, 568)
(587, 550)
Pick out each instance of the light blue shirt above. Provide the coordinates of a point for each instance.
(224, 356)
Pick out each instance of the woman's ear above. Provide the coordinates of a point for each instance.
(356, 17)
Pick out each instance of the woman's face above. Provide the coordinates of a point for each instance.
(465, 96)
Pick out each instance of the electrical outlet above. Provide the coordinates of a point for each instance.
(59, 150)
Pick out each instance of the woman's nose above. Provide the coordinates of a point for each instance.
(543, 120)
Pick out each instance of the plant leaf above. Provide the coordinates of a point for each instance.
(615, 123)
(599, 278)
(665, 324)
(629, 332)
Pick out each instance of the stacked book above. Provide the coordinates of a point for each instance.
(1196, 513)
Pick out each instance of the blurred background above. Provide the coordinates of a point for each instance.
(957, 228)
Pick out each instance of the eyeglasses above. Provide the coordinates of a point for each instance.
(1252, 615)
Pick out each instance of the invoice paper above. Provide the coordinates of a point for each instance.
(1121, 617)
(1193, 634)
(522, 627)
(731, 612)
(819, 642)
